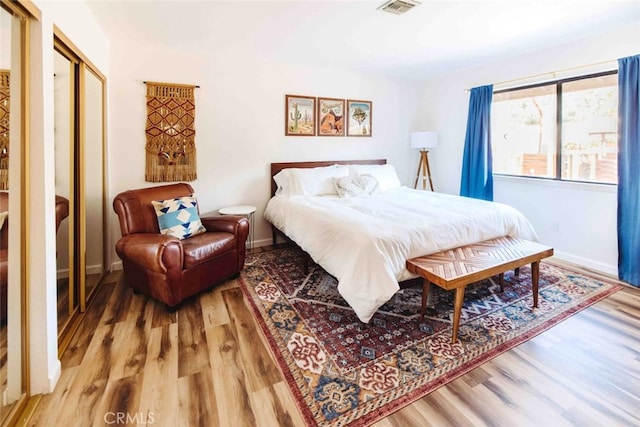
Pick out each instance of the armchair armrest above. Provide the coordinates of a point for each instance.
(236, 225)
(155, 252)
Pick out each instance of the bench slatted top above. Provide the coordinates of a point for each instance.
(467, 264)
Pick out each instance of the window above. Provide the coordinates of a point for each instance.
(565, 130)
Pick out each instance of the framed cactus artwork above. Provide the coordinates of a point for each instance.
(359, 117)
(300, 119)
(330, 117)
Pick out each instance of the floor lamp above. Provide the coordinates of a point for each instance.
(423, 140)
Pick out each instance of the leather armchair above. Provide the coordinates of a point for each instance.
(165, 267)
(62, 211)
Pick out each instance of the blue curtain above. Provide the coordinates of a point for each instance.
(629, 169)
(477, 178)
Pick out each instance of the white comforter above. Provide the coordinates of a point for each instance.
(365, 241)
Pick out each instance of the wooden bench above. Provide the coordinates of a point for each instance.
(459, 267)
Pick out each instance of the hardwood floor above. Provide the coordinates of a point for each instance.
(132, 363)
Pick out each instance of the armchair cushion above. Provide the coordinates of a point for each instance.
(206, 246)
(178, 217)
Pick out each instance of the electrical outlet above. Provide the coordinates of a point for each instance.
(555, 226)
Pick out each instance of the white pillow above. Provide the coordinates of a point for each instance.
(308, 182)
(282, 180)
(385, 175)
(352, 186)
(317, 181)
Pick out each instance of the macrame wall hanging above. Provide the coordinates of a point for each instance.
(171, 147)
(4, 129)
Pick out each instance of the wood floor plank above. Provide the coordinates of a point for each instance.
(161, 316)
(80, 341)
(440, 410)
(51, 405)
(229, 380)
(197, 401)
(87, 388)
(526, 403)
(214, 311)
(131, 340)
(141, 309)
(193, 355)
(257, 363)
(159, 396)
(120, 402)
(272, 407)
(118, 308)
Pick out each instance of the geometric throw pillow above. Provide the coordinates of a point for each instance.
(352, 186)
(179, 217)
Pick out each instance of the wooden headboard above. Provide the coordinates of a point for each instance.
(277, 167)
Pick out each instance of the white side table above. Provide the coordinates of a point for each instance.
(243, 210)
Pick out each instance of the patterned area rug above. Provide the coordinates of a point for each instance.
(343, 372)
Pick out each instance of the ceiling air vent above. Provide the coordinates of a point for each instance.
(399, 7)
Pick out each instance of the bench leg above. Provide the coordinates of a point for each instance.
(516, 271)
(457, 309)
(501, 281)
(425, 295)
(535, 276)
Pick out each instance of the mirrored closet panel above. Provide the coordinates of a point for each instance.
(79, 116)
(94, 191)
(13, 388)
(64, 136)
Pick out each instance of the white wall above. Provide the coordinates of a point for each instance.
(240, 121)
(578, 220)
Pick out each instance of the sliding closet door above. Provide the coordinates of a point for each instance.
(80, 147)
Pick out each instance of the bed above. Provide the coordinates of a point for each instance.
(363, 239)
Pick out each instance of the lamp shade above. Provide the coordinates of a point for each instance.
(424, 139)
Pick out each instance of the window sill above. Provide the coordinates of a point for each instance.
(553, 183)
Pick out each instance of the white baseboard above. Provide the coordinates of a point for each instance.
(91, 269)
(116, 265)
(588, 263)
(62, 274)
(94, 269)
(262, 242)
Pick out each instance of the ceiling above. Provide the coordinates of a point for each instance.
(435, 37)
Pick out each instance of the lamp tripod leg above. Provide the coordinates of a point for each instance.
(426, 159)
(425, 165)
(415, 184)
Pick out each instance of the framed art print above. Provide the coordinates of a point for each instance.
(330, 117)
(300, 117)
(358, 118)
